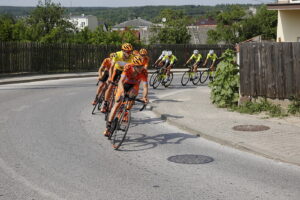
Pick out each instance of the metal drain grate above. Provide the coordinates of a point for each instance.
(190, 159)
(252, 128)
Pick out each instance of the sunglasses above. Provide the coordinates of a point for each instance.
(128, 52)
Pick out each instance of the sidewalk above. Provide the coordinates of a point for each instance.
(195, 113)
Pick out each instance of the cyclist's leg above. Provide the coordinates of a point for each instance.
(111, 116)
(116, 75)
(101, 86)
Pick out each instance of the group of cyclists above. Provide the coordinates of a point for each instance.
(125, 70)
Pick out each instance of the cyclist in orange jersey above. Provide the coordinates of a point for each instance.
(120, 59)
(103, 74)
(133, 74)
(144, 54)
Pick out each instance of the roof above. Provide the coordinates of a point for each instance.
(205, 22)
(134, 23)
(284, 6)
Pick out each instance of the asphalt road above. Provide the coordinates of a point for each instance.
(51, 147)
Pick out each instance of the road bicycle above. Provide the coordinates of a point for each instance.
(121, 122)
(207, 74)
(100, 100)
(190, 75)
(154, 75)
(161, 77)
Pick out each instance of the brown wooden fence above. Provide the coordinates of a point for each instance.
(47, 58)
(270, 70)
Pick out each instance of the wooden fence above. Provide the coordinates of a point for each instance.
(47, 58)
(270, 70)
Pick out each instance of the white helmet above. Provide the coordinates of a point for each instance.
(164, 52)
(195, 51)
(170, 53)
(211, 52)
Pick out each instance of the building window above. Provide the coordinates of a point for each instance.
(82, 24)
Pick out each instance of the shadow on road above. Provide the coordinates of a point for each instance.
(142, 142)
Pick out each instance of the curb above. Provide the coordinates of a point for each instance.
(221, 141)
(63, 77)
(44, 79)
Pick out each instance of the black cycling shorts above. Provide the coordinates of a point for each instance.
(117, 75)
(105, 76)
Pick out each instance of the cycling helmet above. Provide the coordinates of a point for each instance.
(169, 53)
(195, 51)
(138, 60)
(111, 55)
(143, 52)
(127, 47)
(211, 52)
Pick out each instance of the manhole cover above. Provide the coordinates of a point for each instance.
(190, 159)
(251, 128)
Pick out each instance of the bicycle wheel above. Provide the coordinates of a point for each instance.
(204, 76)
(157, 80)
(196, 78)
(185, 78)
(152, 78)
(168, 80)
(121, 129)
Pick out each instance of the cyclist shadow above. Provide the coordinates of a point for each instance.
(142, 142)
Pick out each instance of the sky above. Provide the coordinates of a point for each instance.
(127, 3)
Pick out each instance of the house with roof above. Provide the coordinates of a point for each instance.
(199, 29)
(83, 21)
(288, 28)
(140, 26)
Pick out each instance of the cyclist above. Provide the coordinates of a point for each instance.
(146, 59)
(211, 56)
(120, 59)
(163, 53)
(169, 61)
(197, 57)
(103, 74)
(133, 74)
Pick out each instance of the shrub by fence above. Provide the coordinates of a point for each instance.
(270, 70)
(47, 58)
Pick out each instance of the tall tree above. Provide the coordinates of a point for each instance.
(174, 29)
(46, 17)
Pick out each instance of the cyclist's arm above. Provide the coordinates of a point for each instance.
(111, 70)
(145, 91)
(100, 71)
(121, 83)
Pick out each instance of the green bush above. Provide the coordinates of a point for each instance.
(225, 87)
(262, 106)
(294, 107)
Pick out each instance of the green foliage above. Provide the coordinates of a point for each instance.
(261, 106)
(6, 28)
(47, 18)
(294, 107)
(112, 16)
(174, 30)
(225, 87)
(236, 25)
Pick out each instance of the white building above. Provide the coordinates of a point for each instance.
(80, 22)
(288, 29)
(141, 26)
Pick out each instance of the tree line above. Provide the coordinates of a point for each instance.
(47, 24)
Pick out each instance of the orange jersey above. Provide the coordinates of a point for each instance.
(146, 61)
(131, 77)
(106, 63)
